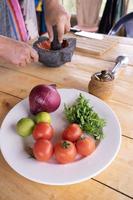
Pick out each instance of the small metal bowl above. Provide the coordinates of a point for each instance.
(55, 58)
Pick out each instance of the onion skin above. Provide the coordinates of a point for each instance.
(44, 98)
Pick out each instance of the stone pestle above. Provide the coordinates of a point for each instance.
(55, 44)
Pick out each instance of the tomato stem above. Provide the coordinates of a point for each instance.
(65, 144)
(82, 137)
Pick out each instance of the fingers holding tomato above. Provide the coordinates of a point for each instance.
(65, 151)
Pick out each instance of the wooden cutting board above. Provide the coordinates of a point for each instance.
(94, 46)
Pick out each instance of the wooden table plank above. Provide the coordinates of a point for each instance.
(124, 113)
(125, 119)
(117, 180)
(6, 103)
(22, 84)
(79, 79)
(119, 50)
(17, 186)
(95, 47)
(123, 47)
(77, 74)
(79, 63)
(119, 174)
(122, 40)
(120, 93)
(116, 51)
(18, 84)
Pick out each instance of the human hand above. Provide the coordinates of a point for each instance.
(56, 15)
(16, 52)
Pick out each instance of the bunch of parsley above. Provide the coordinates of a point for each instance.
(82, 113)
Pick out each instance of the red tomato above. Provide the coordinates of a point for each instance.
(72, 132)
(65, 151)
(85, 146)
(43, 130)
(43, 150)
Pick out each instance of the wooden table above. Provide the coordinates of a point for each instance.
(116, 182)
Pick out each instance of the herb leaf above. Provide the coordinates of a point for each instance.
(82, 113)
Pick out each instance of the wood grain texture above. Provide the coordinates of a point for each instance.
(6, 103)
(18, 84)
(121, 169)
(95, 47)
(117, 180)
(123, 47)
(83, 67)
(18, 187)
(79, 79)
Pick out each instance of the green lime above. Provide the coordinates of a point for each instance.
(25, 126)
(43, 117)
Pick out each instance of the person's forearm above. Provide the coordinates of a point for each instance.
(16, 52)
(51, 3)
(3, 41)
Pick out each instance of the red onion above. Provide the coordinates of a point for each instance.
(44, 98)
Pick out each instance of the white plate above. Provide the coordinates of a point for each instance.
(52, 173)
